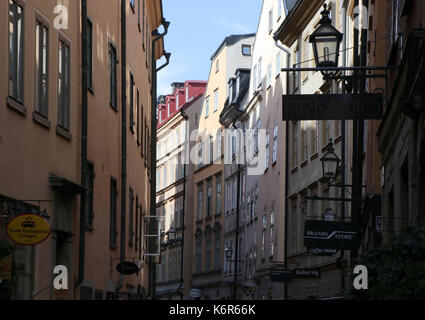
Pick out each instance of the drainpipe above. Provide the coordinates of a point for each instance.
(123, 135)
(182, 222)
(84, 120)
(237, 226)
(343, 146)
(156, 37)
(288, 53)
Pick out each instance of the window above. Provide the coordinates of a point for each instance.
(200, 154)
(113, 194)
(254, 77)
(208, 253)
(16, 51)
(217, 66)
(326, 132)
(297, 61)
(271, 233)
(187, 93)
(64, 86)
(278, 63)
(164, 181)
(270, 20)
(90, 196)
(269, 76)
(143, 26)
(177, 100)
(41, 67)
(252, 209)
(89, 54)
(246, 50)
(306, 58)
(130, 217)
(279, 9)
(113, 100)
(198, 267)
(168, 109)
(266, 165)
(314, 137)
(131, 102)
(215, 100)
(217, 248)
(294, 147)
(138, 117)
(294, 224)
(259, 71)
(304, 138)
(275, 129)
(207, 107)
(200, 203)
(263, 238)
(218, 196)
(136, 224)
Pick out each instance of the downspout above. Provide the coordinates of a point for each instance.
(343, 146)
(237, 227)
(123, 135)
(84, 120)
(285, 258)
(182, 222)
(156, 37)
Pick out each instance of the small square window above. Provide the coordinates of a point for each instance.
(246, 50)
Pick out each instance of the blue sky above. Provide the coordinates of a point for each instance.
(197, 29)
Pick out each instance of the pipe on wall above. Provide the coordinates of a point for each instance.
(123, 135)
(156, 36)
(84, 121)
(286, 222)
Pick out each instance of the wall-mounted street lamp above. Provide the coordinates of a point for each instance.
(171, 234)
(326, 40)
(229, 253)
(330, 163)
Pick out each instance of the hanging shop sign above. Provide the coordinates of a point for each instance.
(307, 273)
(330, 235)
(127, 268)
(332, 107)
(281, 275)
(6, 268)
(28, 229)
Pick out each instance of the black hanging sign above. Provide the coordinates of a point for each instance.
(127, 268)
(330, 235)
(332, 107)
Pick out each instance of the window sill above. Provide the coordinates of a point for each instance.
(304, 163)
(41, 120)
(16, 106)
(277, 76)
(314, 156)
(63, 133)
(294, 170)
(338, 139)
(274, 163)
(113, 108)
(269, 86)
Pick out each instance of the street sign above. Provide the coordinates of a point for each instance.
(281, 275)
(330, 235)
(332, 107)
(127, 268)
(321, 252)
(307, 273)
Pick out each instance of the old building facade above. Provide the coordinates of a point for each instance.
(85, 114)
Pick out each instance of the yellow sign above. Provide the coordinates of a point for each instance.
(28, 229)
(60, 294)
(6, 268)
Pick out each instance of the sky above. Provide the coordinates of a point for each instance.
(197, 29)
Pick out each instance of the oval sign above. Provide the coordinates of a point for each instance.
(127, 268)
(195, 293)
(28, 229)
